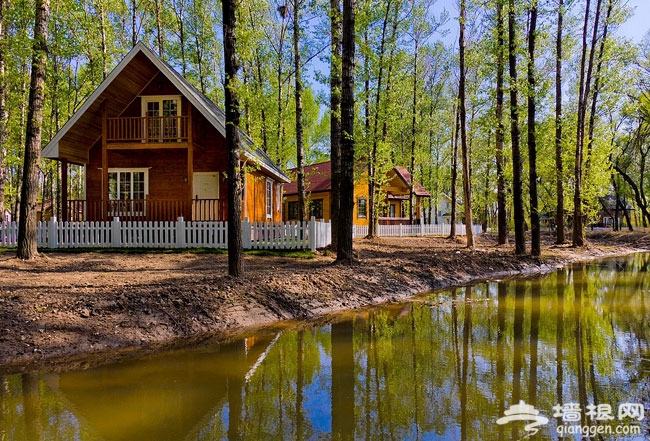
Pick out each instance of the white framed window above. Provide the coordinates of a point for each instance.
(160, 111)
(278, 197)
(269, 199)
(127, 191)
(128, 183)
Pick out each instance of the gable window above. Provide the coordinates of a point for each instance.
(361, 207)
(162, 122)
(269, 199)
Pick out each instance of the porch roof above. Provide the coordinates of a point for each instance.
(123, 85)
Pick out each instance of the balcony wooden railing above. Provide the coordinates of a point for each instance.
(148, 210)
(147, 129)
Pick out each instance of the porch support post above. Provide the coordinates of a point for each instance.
(64, 192)
(104, 196)
(190, 162)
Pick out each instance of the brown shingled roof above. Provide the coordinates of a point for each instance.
(418, 189)
(317, 178)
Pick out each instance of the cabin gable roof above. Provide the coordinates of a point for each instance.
(120, 88)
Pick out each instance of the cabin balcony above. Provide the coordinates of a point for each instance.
(147, 130)
(146, 210)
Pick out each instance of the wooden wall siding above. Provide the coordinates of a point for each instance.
(255, 204)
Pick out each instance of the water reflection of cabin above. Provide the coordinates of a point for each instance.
(154, 148)
(395, 195)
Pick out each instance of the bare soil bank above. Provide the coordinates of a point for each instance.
(65, 305)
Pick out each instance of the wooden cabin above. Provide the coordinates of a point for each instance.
(395, 195)
(154, 148)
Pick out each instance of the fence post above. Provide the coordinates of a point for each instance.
(53, 235)
(246, 232)
(312, 234)
(116, 234)
(422, 225)
(180, 233)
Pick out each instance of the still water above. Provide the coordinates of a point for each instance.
(445, 367)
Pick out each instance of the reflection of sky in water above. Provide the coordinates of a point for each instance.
(415, 369)
(317, 396)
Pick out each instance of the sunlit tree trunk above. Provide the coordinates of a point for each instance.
(27, 234)
(535, 247)
(346, 204)
(302, 215)
(517, 185)
(235, 244)
(3, 109)
(467, 182)
(335, 116)
(502, 215)
(559, 163)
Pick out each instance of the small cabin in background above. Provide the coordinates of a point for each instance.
(154, 148)
(318, 181)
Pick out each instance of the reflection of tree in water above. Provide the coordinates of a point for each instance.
(411, 371)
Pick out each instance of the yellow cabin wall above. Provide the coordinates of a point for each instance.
(255, 199)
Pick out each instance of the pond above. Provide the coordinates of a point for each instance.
(545, 358)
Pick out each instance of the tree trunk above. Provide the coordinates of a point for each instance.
(233, 142)
(583, 95)
(502, 215)
(302, 215)
(372, 179)
(160, 37)
(535, 246)
(3, 110)
(412, 213)
(559, 165)
(27, 234)
(517, 185)
(346, 204)
(467, 182)
(454, 175)
(335, 116)
(134, 22)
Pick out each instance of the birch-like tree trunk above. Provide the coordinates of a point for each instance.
(27, 234)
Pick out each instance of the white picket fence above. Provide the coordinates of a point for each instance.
(180, 234)
(414, 230)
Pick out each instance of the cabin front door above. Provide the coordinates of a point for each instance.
(206, 195)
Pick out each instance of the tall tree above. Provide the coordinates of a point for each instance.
(233, 140)
(27, 234)
(586, 67)
(335, 115)
(3, 108)
(517, 185)
(559, 163)
(535, 247)
(346, 203)
(467, 182)
(502, 218)
(300, 160)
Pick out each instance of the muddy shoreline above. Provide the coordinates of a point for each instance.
(68, 309)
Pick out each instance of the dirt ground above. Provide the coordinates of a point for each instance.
(62, 306)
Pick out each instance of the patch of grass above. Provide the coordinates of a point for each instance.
(294, 254)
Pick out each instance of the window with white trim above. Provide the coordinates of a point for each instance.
(128, 183)
(269, 199)
(160, 111)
